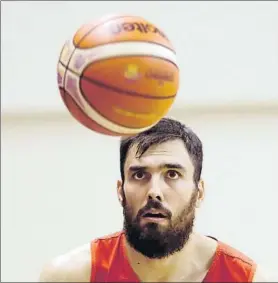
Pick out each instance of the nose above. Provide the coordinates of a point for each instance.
(155, 191)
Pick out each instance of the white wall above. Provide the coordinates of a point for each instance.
(227, 51)
(58, 182)
(59, 186)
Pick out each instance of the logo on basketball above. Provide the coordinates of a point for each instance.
(135, 26)
(132, 72)
(160, 76)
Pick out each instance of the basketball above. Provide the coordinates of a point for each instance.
(118, 75)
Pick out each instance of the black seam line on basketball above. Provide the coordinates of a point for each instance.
(65, 66)
(124, 92)
(129, 41)
(66, 93)
(82, 38)
(102, 115)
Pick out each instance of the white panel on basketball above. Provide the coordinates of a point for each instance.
(67, 52)
(72, 89)
(82, 57)
(61, 70)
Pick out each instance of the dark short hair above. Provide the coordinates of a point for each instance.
(165, 130)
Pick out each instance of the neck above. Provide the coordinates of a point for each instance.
(173, 266)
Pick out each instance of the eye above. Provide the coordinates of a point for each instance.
(172, 174)
(139, 175)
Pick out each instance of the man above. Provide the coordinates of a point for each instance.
(160, 188)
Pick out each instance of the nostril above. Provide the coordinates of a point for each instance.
(155, 197)
(159, 198)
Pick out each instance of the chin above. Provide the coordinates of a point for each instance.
(154, 224)
(152, 228)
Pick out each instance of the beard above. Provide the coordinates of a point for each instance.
(158, 241)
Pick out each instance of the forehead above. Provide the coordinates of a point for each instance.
(173, 151)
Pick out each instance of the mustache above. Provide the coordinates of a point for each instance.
(155, 205)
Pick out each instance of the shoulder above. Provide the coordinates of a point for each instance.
(236, 265)
(234, 253)
(258, 273)
(74, 266)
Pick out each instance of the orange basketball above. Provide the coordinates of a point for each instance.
(118, 75)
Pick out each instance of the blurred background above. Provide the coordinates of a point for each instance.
(58, 179)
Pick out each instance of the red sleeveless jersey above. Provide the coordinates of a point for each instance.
(110, 263)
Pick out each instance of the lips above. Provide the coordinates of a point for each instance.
(155, 214)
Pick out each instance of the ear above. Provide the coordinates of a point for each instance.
(201, 192)
(120, 191)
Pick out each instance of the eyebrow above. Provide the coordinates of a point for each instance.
(162, 166)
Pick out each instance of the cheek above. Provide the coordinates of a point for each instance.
(134, 198)
(179, 197)
(180, 211)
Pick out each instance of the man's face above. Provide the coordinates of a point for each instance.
(159, 198)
